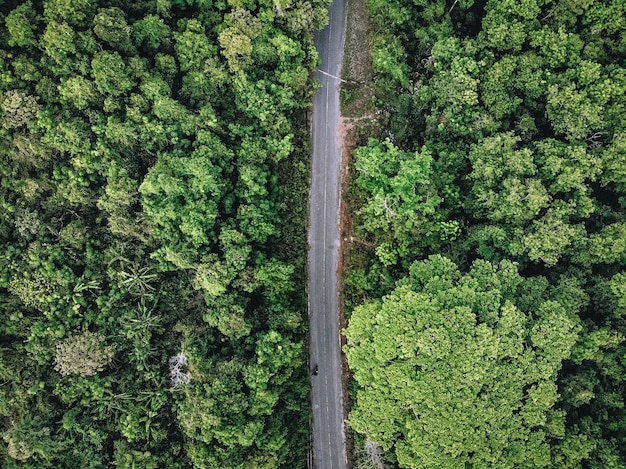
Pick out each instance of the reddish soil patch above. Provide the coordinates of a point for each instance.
(360, 119)
(347, 132)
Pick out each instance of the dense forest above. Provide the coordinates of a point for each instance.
(487, 291)
(154, 169)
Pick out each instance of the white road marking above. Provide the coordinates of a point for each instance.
(328, 440)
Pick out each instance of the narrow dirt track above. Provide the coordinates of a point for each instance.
(329, 448)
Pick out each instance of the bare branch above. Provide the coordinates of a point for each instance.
(178, 375)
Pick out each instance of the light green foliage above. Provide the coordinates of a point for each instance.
(150, 31)
(110, 74)
(21, 27)
(111, 27)
(506, 24)
(451, 371)
(402, 199)
(58, 43)
(453, 91)
(120, 194)
(79, 91)
(32, 289)
(498, 93)
(550, 236)
(572, 112)
(502, 189)
(236, 40)
(389, 59)
(557, 47)
(568, 168)
(303, 17)
(235, 247)
(192, 46)
(180, 196)
(75, 12)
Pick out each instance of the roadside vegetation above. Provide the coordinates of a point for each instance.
(154, 167)
(486, 288)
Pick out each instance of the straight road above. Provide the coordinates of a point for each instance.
(329, 448)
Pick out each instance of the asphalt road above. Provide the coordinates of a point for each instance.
(329, 448)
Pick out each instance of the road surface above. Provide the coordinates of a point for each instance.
(329, 448)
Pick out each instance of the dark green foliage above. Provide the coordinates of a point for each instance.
(513, 115)
(147, 210)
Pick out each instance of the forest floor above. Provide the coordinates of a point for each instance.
(358, 122)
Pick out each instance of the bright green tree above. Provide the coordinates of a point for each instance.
(451, 372)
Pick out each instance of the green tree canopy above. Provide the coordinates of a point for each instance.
(453, 370)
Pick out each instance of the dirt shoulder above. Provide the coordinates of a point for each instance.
(356, 91)
(358, 121)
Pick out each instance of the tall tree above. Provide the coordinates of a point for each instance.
(452, 370)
